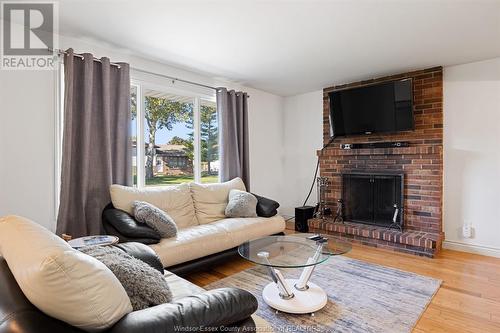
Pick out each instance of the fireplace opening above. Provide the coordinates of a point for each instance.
(373, 198)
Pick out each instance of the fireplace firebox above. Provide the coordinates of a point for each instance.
(374, 198)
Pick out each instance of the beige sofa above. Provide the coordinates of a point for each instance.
(198, 211)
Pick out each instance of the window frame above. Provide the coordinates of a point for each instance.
(141, 85)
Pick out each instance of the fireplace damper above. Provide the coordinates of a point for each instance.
(373, 198)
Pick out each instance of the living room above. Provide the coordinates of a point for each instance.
(327, 166)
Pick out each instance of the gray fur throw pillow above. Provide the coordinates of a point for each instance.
(145, 286)
(154, 217)
(241, 204)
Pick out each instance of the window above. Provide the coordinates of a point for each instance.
(178, 138)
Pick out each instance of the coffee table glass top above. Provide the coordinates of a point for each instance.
(291, 251)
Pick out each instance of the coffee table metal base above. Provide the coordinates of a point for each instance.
(308, 301)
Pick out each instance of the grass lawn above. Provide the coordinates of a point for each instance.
(172, 180)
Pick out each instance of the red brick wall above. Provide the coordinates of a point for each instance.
(422, 161)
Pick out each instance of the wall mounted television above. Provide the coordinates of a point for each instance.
(377, 108)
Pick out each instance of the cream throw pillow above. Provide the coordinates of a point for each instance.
(176, 201)
(60, 281)
(210, 200)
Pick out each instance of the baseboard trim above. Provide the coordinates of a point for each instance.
(477, 249)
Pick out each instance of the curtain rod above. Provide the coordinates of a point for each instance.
(174, 78)
(60, 52)
(79, 55)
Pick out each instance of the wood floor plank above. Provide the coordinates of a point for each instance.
(467, 302)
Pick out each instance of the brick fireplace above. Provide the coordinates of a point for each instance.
(421, 164)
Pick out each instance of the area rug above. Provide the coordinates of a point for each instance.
(362, 297)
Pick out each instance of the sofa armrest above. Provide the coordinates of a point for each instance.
(266, 207)
(17, 314)
(214, 308)
(110, 230)
(142, 252)
(126, 225)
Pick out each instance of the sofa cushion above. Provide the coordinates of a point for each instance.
(180, 287)
(192, 243)
(59, 280)
(174, 200)
(202, 240)
(145, 286)
(241, 230)
(156, 218)
(210, 200)
(241, 204)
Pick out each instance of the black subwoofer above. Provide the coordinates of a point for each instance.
(302, 214)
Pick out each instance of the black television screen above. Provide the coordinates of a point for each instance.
(385, 107)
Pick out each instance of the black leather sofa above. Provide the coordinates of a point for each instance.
(194, 309)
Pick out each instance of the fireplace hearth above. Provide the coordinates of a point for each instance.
(374, 198)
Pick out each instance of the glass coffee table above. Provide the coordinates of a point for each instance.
(293, 251)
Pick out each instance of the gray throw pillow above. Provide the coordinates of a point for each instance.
(154, 217)
(241, 204)
(145, 286)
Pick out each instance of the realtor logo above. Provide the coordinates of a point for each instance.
(28, 35)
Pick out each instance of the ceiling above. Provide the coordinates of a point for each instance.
(291, 47)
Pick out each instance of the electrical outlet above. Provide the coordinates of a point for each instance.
(467, 230)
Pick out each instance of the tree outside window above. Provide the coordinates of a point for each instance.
(169, 147)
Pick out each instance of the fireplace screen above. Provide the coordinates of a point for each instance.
(373, 198)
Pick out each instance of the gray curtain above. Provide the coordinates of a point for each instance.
(233, 112)
(96, 140)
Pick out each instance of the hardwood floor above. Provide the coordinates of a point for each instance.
(468, 300)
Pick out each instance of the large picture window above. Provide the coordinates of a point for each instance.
(175, 136)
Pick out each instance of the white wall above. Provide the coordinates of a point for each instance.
(27, 127)
(472, 155)
(302, 136)
(266, 141)
(27, 145)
